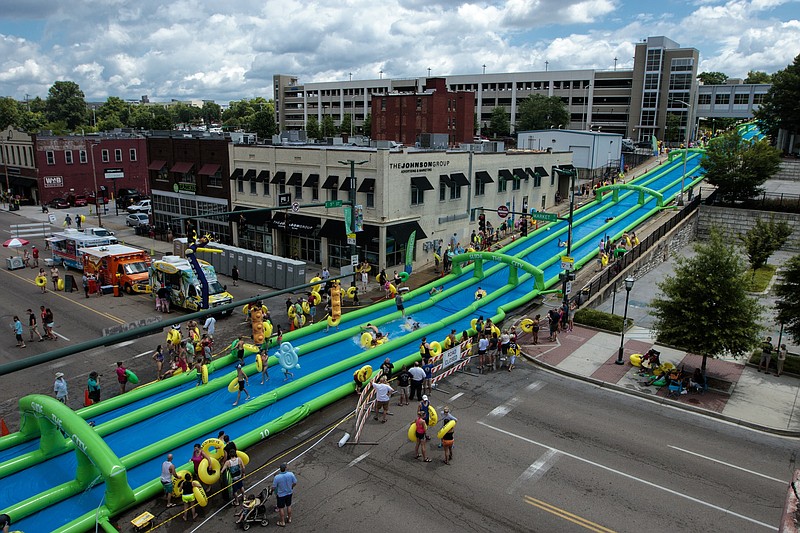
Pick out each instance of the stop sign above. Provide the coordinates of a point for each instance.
(502, 211)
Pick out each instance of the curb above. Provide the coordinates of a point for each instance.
(664, 401)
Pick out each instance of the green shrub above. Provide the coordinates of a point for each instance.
(600, 320)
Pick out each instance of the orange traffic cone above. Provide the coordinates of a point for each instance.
(86, 401)
(3, 427)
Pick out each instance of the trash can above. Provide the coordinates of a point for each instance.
(116, 290)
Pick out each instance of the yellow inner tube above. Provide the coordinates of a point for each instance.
(433, 416)
(259, 362)
(636, 359)
(480, 294)
(436, 348)
(267, 328)
(291, 312)
(447, 344)
(215, 448)
(315, 298)
(392, 289)
(447, 428)
(204, 471)
(526, 325)
(200, 495)
(204, 374)
(351, 292)
(318, 286)
(299, 320)
(176, 485)
(366, 339)
(243, 457)
(412, 432)
(334, 321)
(41, 281)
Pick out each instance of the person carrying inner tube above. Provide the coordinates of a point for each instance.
(425, 350)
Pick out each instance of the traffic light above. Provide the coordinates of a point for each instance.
(523, 227)
(482, 222)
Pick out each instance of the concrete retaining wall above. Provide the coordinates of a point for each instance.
(734, 222)
(790, 170)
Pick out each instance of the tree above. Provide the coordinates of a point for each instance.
(312, 127)
(9, 113)
(738, 168)
(141, 117)
(110, 123)
(367, 126)
(162, 119)
(65, 102)
(538, 112)
(672, 130)
(32, 122)
(781, 106)
(115, 110)
(704, 308)
(499, 123)
(328, 128)
(263, 124)
(184, 114)
(788, 292)
(347, 122)
(758, 76)
(211, 113)
(712, 78)
(763, 240)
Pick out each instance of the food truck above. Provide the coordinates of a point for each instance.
(68, 246)
(120, 265)
(185, 287)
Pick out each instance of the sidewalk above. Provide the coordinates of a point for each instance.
(744, 396)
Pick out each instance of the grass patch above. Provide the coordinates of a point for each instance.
(759, 282)
(600, 320)
(790, 366)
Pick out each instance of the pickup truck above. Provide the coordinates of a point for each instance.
(142, 206)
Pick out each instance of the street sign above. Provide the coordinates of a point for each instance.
(284, 199)
(502, 211)
(547, 217)
(567, 263)
(351, 238)
(114, 173)
(295, 207)
(333, 203)
(354, 260)
(569, 288)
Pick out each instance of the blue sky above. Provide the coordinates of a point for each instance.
(203, 49)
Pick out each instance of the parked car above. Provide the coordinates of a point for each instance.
(99, 232)
(128, 196)
(142, 206)
(80, 201)
(644, 144)
(137, 219)
(59, 203)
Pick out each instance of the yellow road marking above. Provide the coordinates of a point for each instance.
(101, 313)
(566, 515)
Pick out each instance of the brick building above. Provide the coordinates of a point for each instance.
(189, 176)
(76, 166)
(403, 117)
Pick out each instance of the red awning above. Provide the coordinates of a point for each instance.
(181, 167)
(209, 169)
(156, 165)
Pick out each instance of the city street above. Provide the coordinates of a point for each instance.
(533, 451)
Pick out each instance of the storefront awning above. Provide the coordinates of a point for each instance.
(541, 171)
(331, 182)
(345, 185)
(279, 178)
(181, 167)
(209, 169)
(520, 174)
(156, 165)
(422, 183)
(237, 174)
(256, 218)
(296, 180)
(505, 174)
(484, 177)
(332, 229)
(459, 179)
(312, 181)
(367, 185)
(401, 232)
(263, 176)
(297, 223)
(444, 178)
(250, 174)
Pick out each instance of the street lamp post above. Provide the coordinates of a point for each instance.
(685, 147)
(94, 178)
(628, 286)
(572, 173)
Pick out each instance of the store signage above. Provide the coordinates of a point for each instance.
(53, 182)
(185, 188)
(114, 173)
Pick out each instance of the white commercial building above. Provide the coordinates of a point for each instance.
(434, 193)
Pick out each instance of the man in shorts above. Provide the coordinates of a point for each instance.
(283, 485)
(241, 379)
(383, 391)
(398, 301)
(167, 475)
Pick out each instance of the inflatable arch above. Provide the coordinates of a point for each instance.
(598, 193)
(51, 420)
(514, 263)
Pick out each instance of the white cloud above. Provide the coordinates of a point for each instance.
(231, 50)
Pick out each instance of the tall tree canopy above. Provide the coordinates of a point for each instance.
(763, 240)
(788, 292)
(65, 103)
(704, 307)
(737, 168)
(538, 112)
(712, 78)
(499, 124)
(781, 106)
(10, 114)
(312, 127)
(758, 76)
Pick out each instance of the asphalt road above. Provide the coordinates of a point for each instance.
(534, 452)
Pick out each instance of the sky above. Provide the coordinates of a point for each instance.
(224, 51)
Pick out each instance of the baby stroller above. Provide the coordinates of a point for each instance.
(254, 510)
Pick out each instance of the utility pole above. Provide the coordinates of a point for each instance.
(352, 199)
(567, 275)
